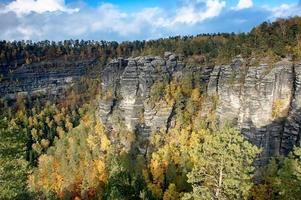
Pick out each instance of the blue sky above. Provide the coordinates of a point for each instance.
(134, 19)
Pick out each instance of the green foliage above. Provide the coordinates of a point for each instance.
(281, 179)
(222, 166)
(290, 176)
(281, 38)
(76, 165)
(157, 92)
(13, 166)
(125, 181)
(27, 131)
(75, 157)
(43, 126)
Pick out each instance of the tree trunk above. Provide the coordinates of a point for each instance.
(220, 182)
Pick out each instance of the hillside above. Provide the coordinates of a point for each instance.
(202, 117)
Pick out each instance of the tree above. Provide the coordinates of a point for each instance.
(281, 178)
(222, 166)
(125, 179)
(289, 176)
(171, 193)
(13, 166)
(76, 165)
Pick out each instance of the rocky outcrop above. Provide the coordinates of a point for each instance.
(42, 78)
(131, 84)
(261, 101)
(292, 129)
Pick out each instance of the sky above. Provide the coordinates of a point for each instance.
(127, 20)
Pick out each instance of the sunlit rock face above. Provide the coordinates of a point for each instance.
(257, 100)
(260, 100)
(131, 86)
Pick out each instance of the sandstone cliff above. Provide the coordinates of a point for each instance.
(42, 78)
(260, 101)
(263, 101)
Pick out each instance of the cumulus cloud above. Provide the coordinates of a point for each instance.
(196, 11)
(103, 22)
(32, 19)
(285, 10)
(243, 4)
(21, 7)
(36, 20)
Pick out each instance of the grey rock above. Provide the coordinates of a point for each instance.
(263, 102)
(248, 97)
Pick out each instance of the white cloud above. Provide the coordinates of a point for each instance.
(36, 20)
(286, 10)
(104, 21)
(32, 19)
(196, 11)
(243, 4)
(21, 7)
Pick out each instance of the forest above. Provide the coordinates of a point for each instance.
(270, 39)
(59, 149)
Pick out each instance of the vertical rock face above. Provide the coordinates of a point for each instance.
(42, 78)
(257, 100)
(292, 129)
(131, 102)
(263, 101)
(134, 80)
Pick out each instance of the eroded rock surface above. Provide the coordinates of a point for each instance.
(263, 101)
(42, 78)
(131, 85)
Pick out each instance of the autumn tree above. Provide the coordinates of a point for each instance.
(76, 165)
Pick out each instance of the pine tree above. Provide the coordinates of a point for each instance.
(290, 176)
(222, 166)
(13, 166)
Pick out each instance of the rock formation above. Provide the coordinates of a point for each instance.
(257, 99)
(260, 100)
(131, 81)
(41, 78)
(263, 101)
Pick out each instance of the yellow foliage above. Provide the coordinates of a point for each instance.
(68, 125)
(157, 168)
(195, 94)
(58, 118)
(279, 109)
(171, 193)
(77, 161)
(45, 143)
(86, 120)
(156, 189)
(174, 150)
(105, 143)
(91, 140)
(60, 132)
(101, 168)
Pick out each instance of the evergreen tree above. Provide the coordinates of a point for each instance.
(222, 166)
(281, 178)
(13, 166)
